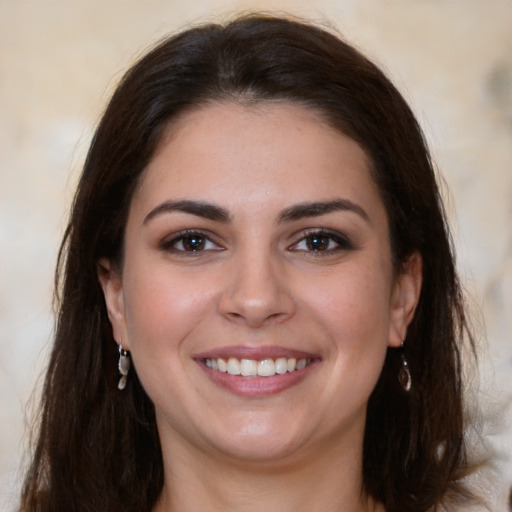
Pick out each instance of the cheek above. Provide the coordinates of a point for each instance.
(162, 310)
(355, 303)
(162, 307)
(350, 312)
(355, 316)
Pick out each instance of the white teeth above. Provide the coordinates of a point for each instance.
(301, 363)
(266, 368)
(233, 366)
(252, 367)
(281, 365)
(223, 365)
(248, 367)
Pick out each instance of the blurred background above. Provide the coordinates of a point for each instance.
(59, 62)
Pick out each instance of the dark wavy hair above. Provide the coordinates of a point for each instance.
(98, 450)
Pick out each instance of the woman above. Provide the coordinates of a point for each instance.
(258, 230)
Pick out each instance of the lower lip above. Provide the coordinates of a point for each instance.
(257, 386)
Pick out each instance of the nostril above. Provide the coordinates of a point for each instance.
(257, 316)
(235, 316)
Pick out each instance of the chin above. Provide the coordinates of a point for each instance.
(260, 441)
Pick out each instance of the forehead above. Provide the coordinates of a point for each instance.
(252, 153)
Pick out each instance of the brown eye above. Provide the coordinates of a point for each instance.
(193, 243)
(188, 242)
(318, 242)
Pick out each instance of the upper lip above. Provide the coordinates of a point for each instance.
(255, 352)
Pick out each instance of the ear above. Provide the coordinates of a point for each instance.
(404, 299)
(111, 283)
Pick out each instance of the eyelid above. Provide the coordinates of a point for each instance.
(169, 242)
(343, 241)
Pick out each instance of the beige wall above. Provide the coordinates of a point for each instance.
(60, 59)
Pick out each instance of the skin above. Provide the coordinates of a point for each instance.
(259, 278)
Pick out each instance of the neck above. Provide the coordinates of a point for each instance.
(328, 482)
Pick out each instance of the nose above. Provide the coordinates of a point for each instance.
(257, 291)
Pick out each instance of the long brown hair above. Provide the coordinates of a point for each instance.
(98, 450)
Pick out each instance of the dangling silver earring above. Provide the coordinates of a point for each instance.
(124, 366)
(404, 375)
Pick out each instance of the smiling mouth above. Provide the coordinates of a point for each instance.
(257, 368)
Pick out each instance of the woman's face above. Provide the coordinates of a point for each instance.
(257, 243)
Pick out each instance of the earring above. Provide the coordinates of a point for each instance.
(404, 375)
(123, 366)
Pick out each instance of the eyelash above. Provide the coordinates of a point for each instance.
(205, 240)
(323, 236)
(342, 243)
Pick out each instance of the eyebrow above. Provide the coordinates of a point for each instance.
(293, 213)
(316, 209)
(198, 208)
